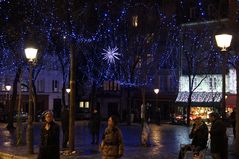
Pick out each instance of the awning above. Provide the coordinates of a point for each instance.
(200, 97)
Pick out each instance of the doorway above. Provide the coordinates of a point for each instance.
(113, 109)
(57, 108)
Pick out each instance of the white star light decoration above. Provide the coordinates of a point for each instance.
(111, 54)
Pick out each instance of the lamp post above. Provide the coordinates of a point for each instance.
(68, 90)
(31, 54)
(156, 91)
(223, 41)
(10, 115)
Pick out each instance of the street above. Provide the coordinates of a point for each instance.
(164, 144)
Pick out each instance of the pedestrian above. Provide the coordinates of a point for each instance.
(112, 146)
(199, 136)
(219, 141)
(94, 125)
(50, 141)
(145, 134)
(233, 121)
(65, 126)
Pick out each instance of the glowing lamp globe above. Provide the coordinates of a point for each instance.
(223, 41)
(68, 90)
(8, 87)
(31, 53)
(156, 91)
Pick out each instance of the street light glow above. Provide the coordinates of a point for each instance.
(31, 53)
(156, 90)
(223, 41)
(68, 90)
(8, 87)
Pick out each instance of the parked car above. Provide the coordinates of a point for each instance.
(23, 116)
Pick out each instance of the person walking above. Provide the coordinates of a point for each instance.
(199, 136)
(145, 135)
(65, 126)
(94, 124)
(233, 121)
(112, 146)
(50, 140)
(219, 141)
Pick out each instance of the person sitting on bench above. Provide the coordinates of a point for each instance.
(199, 136)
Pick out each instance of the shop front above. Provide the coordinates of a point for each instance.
(203, 103)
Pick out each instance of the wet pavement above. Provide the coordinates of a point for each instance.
(165, 140)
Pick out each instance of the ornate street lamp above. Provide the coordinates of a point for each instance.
(10, 114)
(223, 41)
(68, 90)
(156, 91)
(31, 54)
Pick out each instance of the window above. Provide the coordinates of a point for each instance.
(84, 104)
(135, 21)
(55, 86)
(210, 83)
(81, 104)
(41, 85)
(24, 87)
(111, 86)
(215, 82)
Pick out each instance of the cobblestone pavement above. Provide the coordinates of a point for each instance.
(165, 141)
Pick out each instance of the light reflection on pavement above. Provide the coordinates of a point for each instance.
(164, 144)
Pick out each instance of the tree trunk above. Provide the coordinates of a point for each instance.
(63, 92)
(12, 104)
(128, 106)
(72, 96)
(93, 97)
(34, 99)
(189, 108)
(19, 122)
(143, 102)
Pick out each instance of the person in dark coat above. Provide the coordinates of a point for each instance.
(112, 146)
(233, 121)
(219, 141)
(65, 126)
(50, 141)
(199, 136)
(94, 124)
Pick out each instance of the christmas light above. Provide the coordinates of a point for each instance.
(111, 54)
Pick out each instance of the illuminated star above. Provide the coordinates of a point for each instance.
(111, 54)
